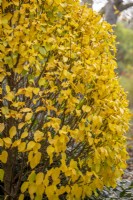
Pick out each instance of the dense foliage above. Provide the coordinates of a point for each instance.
(63, 112)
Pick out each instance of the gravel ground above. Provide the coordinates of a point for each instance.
(129, 171)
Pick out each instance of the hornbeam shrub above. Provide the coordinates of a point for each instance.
(63, 113)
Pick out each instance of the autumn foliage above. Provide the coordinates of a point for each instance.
(63, 113)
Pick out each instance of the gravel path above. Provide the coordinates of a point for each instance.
(129, 171)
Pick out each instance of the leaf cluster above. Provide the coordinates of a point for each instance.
(63, 113)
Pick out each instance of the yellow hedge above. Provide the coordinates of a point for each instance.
(63, 112)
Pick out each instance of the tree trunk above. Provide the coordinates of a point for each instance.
(9, 173)
(112, 10)
(8, 177)
(110, 13)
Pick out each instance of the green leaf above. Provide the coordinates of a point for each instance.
(42, 50)
(32, 176)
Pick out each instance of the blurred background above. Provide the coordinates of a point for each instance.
(120, 14)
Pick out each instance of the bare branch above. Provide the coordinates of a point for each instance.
(123, 7)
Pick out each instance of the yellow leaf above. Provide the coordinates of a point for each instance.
(1, 79)
(30, 145)
(30, 155)
(36, 160)
(25, 110)
(21, 197)
(16, 143)
(36, 147)
(36, 91)
(9, 96)
(21, 125)
(2, 126)
(42, 82)
(73, 164)
(7, 16)
(50, 191)
(12, 131)
(39, 178)
(64, 5)
(24, 186)
(7, 88)
(1, 174)
(90, 140)
(7, 141)
(5, 110)
(40, 189)
(32, 188)
(16, 2)
(65, 59)
(112, 127)
(40, 108)
(55, 174)
(24, 134)
(18, 104)
(58, 1)
(21, 147)
(86, 108)
(97, 121)
(50, 150)
(38, 136)
(4, 156)
(66, 73)
(2, 48)
(28, 116)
